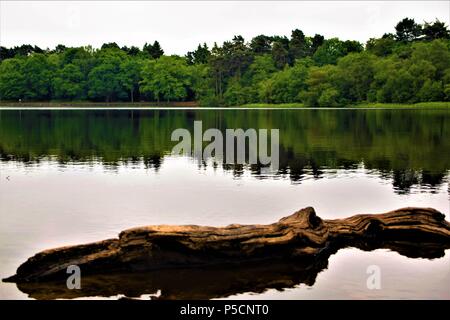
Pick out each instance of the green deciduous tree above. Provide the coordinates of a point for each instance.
(69, 83)
(130, 75)
(166, 78)
(381, 47)
(236, 94)
(431, 91)
(354, 76)
(329, 52)
(12, 79)
(38, 75)
(320, 90)
(284, 86)
(105, 79)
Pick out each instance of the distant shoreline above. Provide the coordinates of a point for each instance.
(442, 104)
(81, 104)
(195, 105)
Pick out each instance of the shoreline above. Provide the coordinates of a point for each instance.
(440, 104)
(193, 105)
(88, 104)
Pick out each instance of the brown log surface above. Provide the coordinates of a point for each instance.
(301, 239)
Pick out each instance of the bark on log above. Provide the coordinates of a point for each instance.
(295, 249)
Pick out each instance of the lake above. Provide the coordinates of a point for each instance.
(76, 176)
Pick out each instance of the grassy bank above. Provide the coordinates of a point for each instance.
(362, 105)
(272, 105)
(194, 104)
(402, 105)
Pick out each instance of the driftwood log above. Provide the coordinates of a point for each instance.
(207, 262)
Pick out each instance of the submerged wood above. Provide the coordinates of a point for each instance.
(247, 257)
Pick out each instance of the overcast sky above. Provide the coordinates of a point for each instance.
(180, 26)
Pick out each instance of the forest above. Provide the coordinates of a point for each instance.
(409, 65)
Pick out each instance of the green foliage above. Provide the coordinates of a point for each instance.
(12, 79)
(279, 54)
(409, 66)
(431, 91)
(130, 75)
(166, 78)
(435, 30)
(235, 94)
(298, 46)
(320, 91)
(262, 68)
(201, 84)
(400, 88)
(69, 83)
(111, 45)
(408, 30)
(37, 72)
(199, 56)
(284, 86)
(446, 84)
(354, 75)
(412, 79)
(316, 42)
(436, 52)
(261, 44)
(329, 52)
(329, 97)
(105, 79)
(154, 50)
(381, 47)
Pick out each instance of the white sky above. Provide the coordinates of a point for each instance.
(180, 25)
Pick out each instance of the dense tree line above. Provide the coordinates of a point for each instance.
(410, 65)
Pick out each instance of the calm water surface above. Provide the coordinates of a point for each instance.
(74, 176)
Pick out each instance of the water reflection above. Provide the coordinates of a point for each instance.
(115, 168)
(408, 147)
(215, 281)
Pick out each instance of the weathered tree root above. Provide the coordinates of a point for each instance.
(248, 257)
